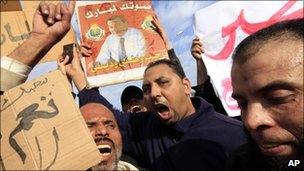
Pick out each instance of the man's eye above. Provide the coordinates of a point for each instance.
(111, 126)
(280, 100)
(90, 125)
(163, 82)
(146, 89)
(280, 96)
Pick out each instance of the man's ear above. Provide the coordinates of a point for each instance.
(187, 85)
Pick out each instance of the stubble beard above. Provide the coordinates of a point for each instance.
(281, 162)
(112, 166)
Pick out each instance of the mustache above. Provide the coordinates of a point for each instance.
(104, 139)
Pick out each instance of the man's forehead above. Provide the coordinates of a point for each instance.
(265, 80)
(161, 70)
(100, 117)
(96, 109)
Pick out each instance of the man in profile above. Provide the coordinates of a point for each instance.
(267, 81)
(123, 42)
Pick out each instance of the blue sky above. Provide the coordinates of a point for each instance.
(176, 17)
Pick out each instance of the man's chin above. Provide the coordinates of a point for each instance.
(105, 166)
(281, 162)
(108, 164)
(167, 121)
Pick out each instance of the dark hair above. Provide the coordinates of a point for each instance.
(289, 29)
(129, 93)
(177, 68)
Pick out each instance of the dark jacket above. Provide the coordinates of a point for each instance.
(201, 141)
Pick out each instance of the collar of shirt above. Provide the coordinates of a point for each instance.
(201, 107)
(126, 35)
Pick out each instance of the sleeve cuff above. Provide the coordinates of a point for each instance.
(15, 66)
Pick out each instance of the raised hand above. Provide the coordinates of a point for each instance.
(74, 69)
(197, 49)
(161, 32)
(51, 22)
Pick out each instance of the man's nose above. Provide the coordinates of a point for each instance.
(257, 117)
(155, 92)
(101, 130)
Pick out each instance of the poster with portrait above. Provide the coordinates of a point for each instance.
(123, 37)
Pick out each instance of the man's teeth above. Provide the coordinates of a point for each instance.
(104, 149)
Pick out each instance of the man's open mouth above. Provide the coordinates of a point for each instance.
(136, 108)
(163, 111)
(105, 149)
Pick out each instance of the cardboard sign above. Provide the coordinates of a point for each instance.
(220, 32)
(119, 54)
(10, 5)
(43, 129)
(14, 27)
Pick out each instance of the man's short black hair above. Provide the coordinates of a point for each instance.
(176, 67)
(129, 93)
(288, 30)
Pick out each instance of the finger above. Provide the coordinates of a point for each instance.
(86, 45)
(68, 8)
(57, 11)
(75, 54)
(51, 16)
(202, 50)
(198, 51)
(66, 60)
(61, 66)
(60, 59)
(66, 16)
(43, 8)
(85, 52)
(71, 6)
(197, 45)
(196, 39)
(198, 48)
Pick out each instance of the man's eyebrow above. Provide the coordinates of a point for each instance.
(108, 122)
(156, 80)
(90, 122)
(276, 85)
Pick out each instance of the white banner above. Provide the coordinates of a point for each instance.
(224, 24)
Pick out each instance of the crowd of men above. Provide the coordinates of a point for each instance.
(162, 127)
